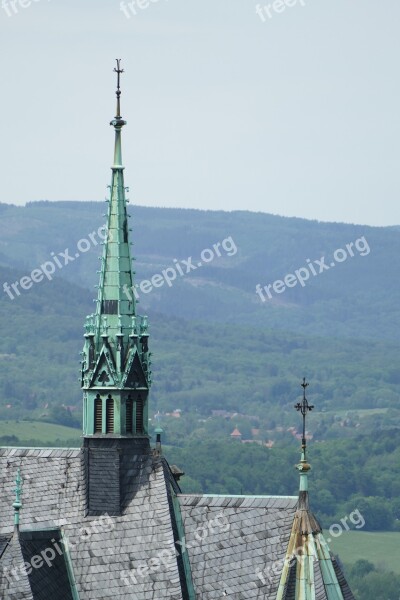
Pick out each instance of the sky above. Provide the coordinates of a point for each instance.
(293, 110)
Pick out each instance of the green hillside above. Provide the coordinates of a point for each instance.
(358, 298)
(216, 345)
(26, 432)
(380, 548)
(371, 562)
(197, 368)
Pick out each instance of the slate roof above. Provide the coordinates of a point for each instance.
(54, 496)
(237, 544)
(134, 555)
(163, 545)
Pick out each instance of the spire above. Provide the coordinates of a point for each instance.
(115, 307)
(306, 522)
(309, 569)
(17, 505)
(115, 358)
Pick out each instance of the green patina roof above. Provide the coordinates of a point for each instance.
(115, 309)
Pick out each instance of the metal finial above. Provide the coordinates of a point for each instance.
(17, 505)
(304, 408)
(133, 325)
(105, 326)
(144, 326)
(118, 71)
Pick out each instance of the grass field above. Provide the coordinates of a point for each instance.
(42, 432)
(380, 548)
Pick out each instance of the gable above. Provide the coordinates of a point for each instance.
(104, 374)
(49, 579)
(134, 376)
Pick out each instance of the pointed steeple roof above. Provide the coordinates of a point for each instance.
(115, 306)
(310, 571)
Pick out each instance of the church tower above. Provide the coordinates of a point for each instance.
(115, 358)
(115, 361)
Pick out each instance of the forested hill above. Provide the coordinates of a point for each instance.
(358, 297)
(216, 346)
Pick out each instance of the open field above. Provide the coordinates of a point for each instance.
(42, 432)
(380, 548)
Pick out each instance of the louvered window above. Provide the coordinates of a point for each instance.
(109, 307)
(139, 415)
(129, 415)
(110, 415)
(98, 414)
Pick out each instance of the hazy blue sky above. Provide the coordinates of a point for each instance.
(296, 114)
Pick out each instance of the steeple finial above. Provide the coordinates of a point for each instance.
(17, 505)
(304, 467)
(304, 408)
(118, 121)
(118, 70)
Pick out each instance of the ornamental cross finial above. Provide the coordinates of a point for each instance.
(118, 71)
(304, 408)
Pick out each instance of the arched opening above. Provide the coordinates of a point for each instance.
(110, 415)
(129, 415)
(98, 414)
(139, 415)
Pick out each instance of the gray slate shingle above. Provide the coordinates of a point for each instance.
(106, 559)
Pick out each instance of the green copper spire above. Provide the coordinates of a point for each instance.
(17, 505)
(115, 308)
(116, 361)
